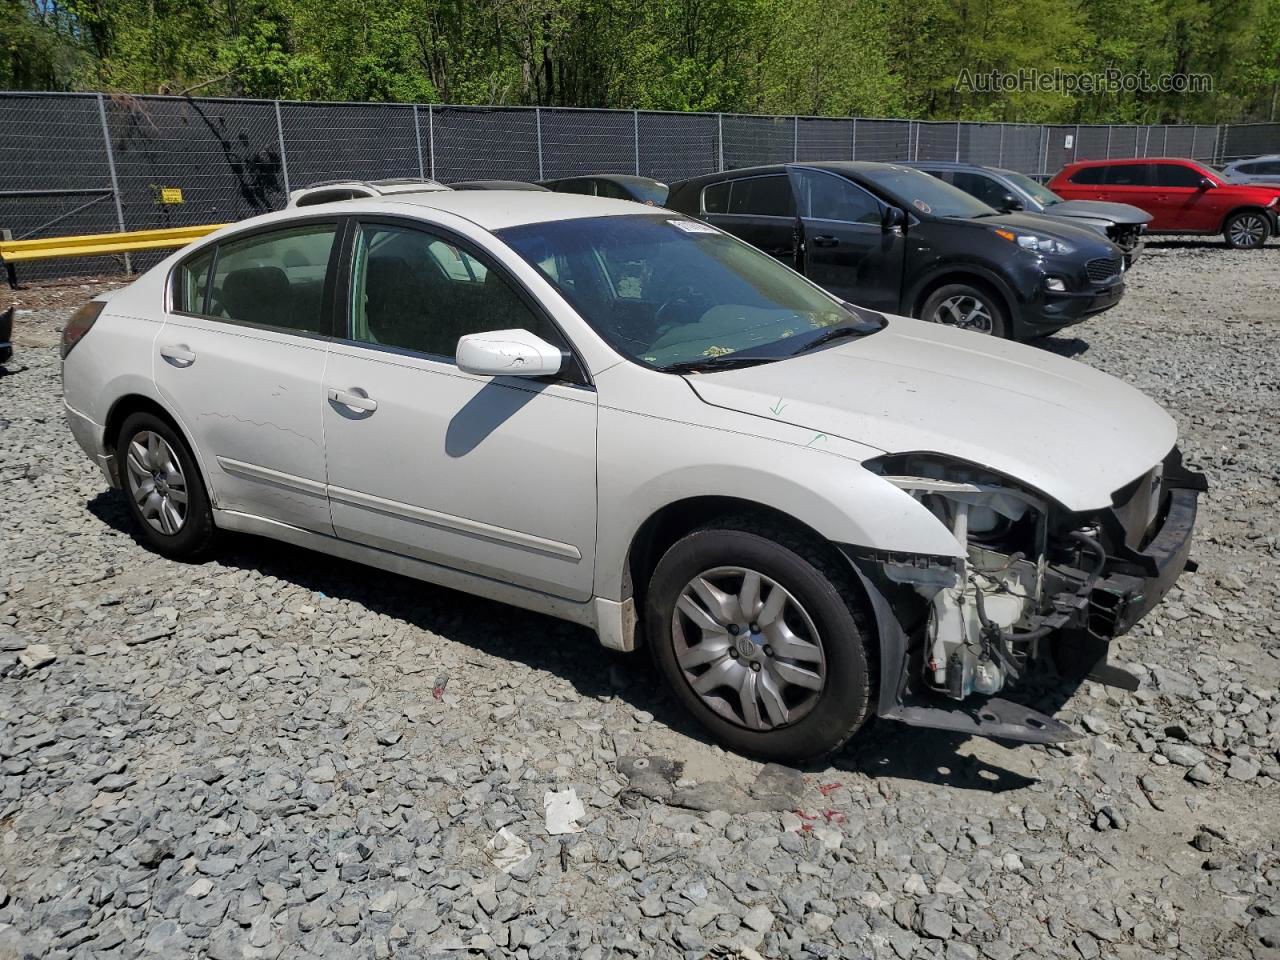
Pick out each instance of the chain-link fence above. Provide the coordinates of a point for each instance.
(95, 163)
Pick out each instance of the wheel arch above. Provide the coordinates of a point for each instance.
(971, 274)
(1267, 217)
(131, 403)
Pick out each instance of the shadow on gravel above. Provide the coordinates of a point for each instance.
(1069, 347)
(1214, 242)
(883, 749)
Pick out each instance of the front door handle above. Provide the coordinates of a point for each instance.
(356, 401)
(178, 354)
(826, 241)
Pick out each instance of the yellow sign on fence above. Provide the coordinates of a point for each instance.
(170, 194)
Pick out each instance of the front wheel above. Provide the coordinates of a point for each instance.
(1246, 230)
(965, 307)
(761, 639)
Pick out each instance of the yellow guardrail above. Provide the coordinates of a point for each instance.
(101, 244)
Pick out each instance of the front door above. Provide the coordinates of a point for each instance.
(1185, 203)
(241, 359)
(490, 475)
(845, 248)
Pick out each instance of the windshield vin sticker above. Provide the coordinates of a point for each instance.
(692, 226)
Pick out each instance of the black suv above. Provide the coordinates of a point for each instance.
(895, 239)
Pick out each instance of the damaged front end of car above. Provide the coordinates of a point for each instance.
(1039, 591)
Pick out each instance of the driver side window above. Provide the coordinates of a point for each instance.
(826, 196)
(419, 292)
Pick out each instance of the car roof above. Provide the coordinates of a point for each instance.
(835, 166)
(1132, 160)
(1265, 156)
(496, 185)
(499, 209)
(612, 177)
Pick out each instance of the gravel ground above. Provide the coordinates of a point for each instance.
(275, 754)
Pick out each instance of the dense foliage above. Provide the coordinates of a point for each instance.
(833, 57)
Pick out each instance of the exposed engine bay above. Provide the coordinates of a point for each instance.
(1039, 589)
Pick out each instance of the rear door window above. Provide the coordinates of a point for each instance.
(1129, 175)
(715, 198)
(274, 279)
(762, 197)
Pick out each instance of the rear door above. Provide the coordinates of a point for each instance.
(1134, 183)
(241, 358)
(1186, 203)
(761, 210)
(843, 246)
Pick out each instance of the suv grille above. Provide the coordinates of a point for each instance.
(1102, 269)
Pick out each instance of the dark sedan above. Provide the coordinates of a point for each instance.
(618, 186)
(893, 238)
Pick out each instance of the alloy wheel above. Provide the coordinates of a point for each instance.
(966, 312)
(1248, 231)
(156, 482)
(748, 648)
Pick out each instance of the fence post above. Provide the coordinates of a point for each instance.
(417, 142)
(957, 141)
(1075, 153)
(795, 138)
(284, 160)
(635, 126)
(853, 140)
(719, 142)
(431, 138)
(1108, 141)
(115, 182)
(537, 118)
(1000, 153)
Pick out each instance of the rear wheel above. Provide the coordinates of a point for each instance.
(761, 640)
(966, 307)
(166, 496)
(1246, 230)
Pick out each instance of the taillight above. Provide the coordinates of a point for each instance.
(81, 322)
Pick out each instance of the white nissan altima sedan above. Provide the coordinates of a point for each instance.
(625, 418)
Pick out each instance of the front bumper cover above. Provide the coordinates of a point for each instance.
(1088, 613)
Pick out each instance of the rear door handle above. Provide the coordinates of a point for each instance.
(178, 354)
(355, 401)
(826, 241)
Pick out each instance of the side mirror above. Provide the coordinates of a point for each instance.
(893, 218)
(508, 353)
(1206, 183)
(1009, 203)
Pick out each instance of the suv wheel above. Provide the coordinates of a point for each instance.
(761, 640)
(966, 307)
(1246, 230)
(166, 496)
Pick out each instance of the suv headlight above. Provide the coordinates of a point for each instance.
(1037, 244)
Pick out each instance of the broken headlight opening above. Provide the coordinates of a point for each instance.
(1030, 569)
(982, 620)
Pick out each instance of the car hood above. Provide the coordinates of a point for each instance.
(1101, 210)
(1060, 427)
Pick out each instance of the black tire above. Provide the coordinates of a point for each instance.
(194, 538)
(996, 324)
(826, 595)
(1246, 230)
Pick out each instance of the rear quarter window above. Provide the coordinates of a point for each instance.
(715, 198)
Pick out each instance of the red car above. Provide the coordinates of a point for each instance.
(1182, 196)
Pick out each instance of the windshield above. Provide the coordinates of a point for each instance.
(669, 292)
(1038, 191)
(925, 193)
